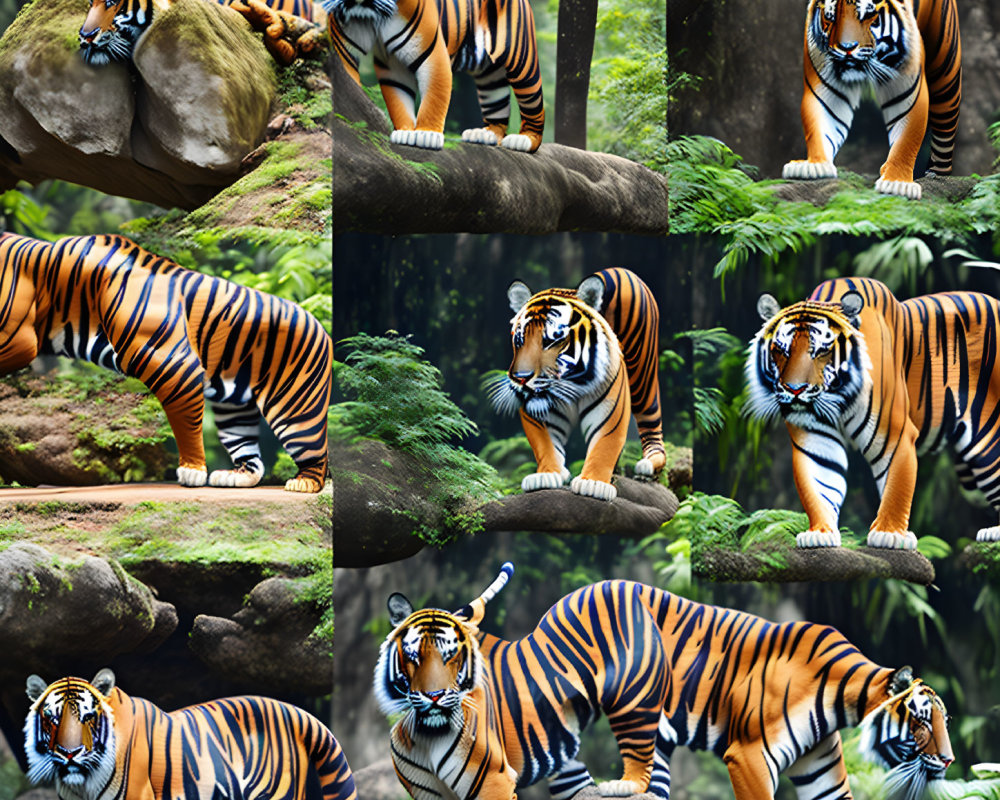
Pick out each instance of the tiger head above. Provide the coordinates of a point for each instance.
(111, 29)
(431, 662)
(564, 349)
(69, 734)
(807, 361)
(908, 734)
(842, 29)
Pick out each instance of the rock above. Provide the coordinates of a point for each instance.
(201, 97)
(815, 564)
(386, 188)
(379, 782)
(274, 620)
(40, 602)
(51, 433)
(751, 101)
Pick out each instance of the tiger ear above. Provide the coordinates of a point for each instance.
(591, 292)
(104, 681)
(36, 687)
(518, 295)
(399, 608)
(901, 680)
(852, 303)
(767, 306)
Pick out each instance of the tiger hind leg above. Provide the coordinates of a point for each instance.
(239, 432)
(304, 437)
(494, 100)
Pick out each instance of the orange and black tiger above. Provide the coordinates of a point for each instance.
(417, 44)
(343, 780)
(910, 52)
(482, 716)
(188, 337)
(292, 28)
(94, 742)
(852, 364)
(589, 354)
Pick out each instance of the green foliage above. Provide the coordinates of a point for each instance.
(884, 601)
(399, 402)
(311, 107)
(628, 87)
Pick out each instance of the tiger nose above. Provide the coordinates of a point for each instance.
(86, 35)
(796, 388)
(435, 695)
(848, 46)
(521, 377)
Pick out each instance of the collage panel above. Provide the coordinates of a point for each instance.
(166, 352)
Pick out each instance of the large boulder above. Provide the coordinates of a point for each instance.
(172, 132)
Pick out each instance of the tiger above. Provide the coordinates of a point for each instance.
(590, 353)
(482, 717)
(910, 52)
(852, 364)
(188, 337)
(343, 780)
(417, 43)
(92, 741)
(292, 28)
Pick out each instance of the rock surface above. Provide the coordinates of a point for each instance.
(173, 135)
(386, 188)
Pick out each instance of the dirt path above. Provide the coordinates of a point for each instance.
(134, 493)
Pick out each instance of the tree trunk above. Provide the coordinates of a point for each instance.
(577, 23)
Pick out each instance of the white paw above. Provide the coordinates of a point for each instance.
(644, 469)
(191, 477)
(479, 136)
(818, 539)
(232, 477)
(988, 534)
(544, 480)
(894, 541)
(428, 140)
(808, 170)
(516, 141)
(910, 189)
(619, 788)
(590, 488)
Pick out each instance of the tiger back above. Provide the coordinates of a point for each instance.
(767, 698)
(910, 52)
(853, 365)
(291, 28)
(591, 354)
(92, 741)
(188, 337)
(417, 43)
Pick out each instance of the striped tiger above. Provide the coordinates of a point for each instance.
(188, 337)
(417, 43)
(343, 780)
(483, 716)
(910, 52)
(854, 365)
(292, 28)
(94, 742)
(590, 353)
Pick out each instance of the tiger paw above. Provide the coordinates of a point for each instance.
(808, 170)
(910, 189)
(189, 476)
(479, 136)
(646, 470)
(544, 480)
(235, 478)
(520, 142)
(304, 485)
(818, 539)
(991, 534)
(585, 487)
(894, 541)
(619, 788)
(428, 140)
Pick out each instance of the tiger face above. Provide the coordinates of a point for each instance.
(909, 735)
(427, 666)
(848, 32)
(111, 29)
(562, 349)
(808, 360)
(69, 734)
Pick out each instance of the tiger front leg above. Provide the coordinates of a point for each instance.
(906, 129)
(826, 119)
(896, 482)
(547, 444)
(749, 773)
(606, 428)
(819, 467)
(820, 772)
(494, 101)
(526, 83)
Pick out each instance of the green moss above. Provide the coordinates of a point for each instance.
(310, 108)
